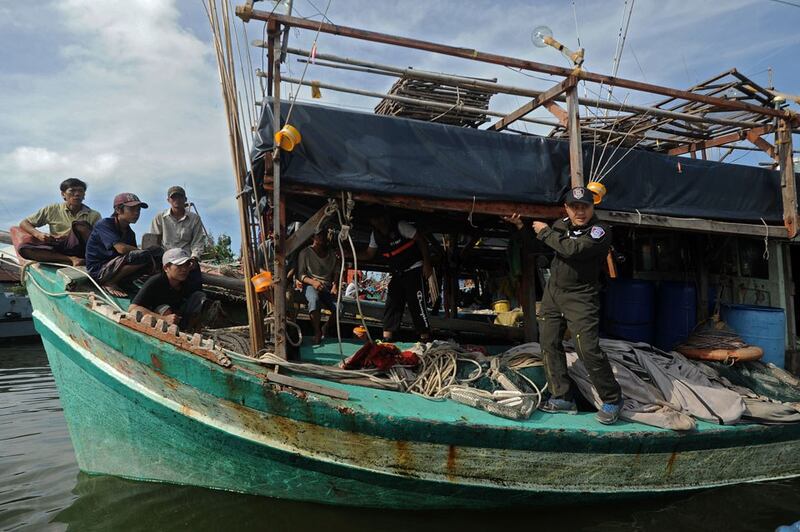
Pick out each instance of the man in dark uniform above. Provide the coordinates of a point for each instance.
(571, 298)
(406, 252)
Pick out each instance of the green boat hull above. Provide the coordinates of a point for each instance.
(141, 408)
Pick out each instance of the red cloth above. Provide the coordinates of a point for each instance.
(381, 356)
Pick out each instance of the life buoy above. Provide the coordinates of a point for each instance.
(751, 352)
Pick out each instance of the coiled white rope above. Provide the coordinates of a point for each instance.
(103, 293)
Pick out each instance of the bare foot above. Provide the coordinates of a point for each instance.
(77, 261)
(114, 290)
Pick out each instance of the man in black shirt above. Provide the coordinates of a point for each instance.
(406, 252)
(168, 296)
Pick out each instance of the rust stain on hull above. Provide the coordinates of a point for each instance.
(404, 461)
(671, 462)
(451, 462)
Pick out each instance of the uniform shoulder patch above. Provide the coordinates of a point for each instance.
(597, 232)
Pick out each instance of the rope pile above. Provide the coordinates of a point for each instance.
(438, 369)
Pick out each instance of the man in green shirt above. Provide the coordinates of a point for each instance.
(70, 224)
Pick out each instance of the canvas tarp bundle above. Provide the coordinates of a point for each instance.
(349, 150)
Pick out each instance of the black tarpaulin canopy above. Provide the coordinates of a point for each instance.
(355, 151)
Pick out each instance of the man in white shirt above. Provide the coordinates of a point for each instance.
(181, 228)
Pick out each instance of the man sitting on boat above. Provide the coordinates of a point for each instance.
(70, 224)
(169, 295)
(406, 252)
(316, 269)
(178, 227)
(112, 256)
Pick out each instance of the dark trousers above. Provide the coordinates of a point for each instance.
(580, 310)
(406, 288)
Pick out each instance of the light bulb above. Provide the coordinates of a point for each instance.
(731, 93)
(539, 34)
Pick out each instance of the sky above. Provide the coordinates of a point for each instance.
(125, 93)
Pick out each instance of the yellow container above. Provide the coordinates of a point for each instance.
(360, 332)
(288, 137)
(262, 281)
(501, 305)
(598, 190)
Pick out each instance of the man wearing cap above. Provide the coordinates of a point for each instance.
(178, 227)
(316, 269)
(111, 253)
(69, 223)
(168, 295)
(572, 299)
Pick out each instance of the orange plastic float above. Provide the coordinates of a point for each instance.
(742, 354)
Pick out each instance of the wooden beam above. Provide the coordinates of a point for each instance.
(557, 111)
(783, 139)
(530, 326)
(723, 140)
(691, 224)
(756, 139)
(306, 231)
(575, 146)
(300, 384)
(278, 219)
(468, 53)
(545, 97)
(416, 203)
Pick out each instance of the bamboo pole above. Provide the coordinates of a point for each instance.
(227, 83)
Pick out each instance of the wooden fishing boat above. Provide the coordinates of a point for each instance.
(146, 401)
(140, 406)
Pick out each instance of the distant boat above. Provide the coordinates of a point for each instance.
(16, 312)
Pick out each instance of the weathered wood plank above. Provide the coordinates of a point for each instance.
(300, 384)
(788, 186)
(306, 231)
(575, 147)
(691, 224)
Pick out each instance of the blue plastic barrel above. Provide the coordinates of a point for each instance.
(676, 313)
(764, 327)
(628, 310)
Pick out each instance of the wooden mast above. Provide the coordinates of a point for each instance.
(278, 214)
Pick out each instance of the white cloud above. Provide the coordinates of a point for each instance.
(38, 160)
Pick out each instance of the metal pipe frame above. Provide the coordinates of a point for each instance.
(246, 13)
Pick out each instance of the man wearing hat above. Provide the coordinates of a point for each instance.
(572, 299)
(178, 227)
(112, 256)
(169, 296)
(316, 269)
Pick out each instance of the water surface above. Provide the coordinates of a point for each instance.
(41, 488)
